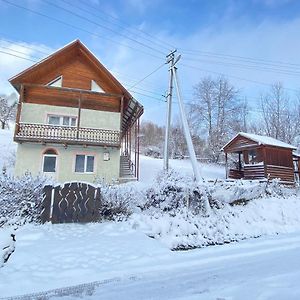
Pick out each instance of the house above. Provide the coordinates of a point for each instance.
(75, 121)
(258, 157)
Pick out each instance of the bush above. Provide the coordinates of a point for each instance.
(20, 199)
(173, 193)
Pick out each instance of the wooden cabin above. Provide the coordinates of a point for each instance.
(75, 121)
(252, 156)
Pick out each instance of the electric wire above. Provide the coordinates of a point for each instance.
(79, 28)
(131, 30)
(102, 26)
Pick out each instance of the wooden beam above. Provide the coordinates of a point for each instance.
(18, 116)
(78, 117)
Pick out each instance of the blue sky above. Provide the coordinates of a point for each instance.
(132, 37)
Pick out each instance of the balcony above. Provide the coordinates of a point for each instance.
(27, 132)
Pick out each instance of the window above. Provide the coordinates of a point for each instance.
(57, 82)
(49, 161)
(252, 156)
(84, 163)
(62, 120)
(95, 87)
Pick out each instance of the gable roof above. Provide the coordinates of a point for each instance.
(261, 140)
(73, 49)
(132, 109)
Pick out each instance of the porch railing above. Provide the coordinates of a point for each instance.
(67, 134)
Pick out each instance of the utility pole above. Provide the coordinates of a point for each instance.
(185, 126)
(170, 60)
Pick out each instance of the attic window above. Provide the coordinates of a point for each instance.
(57, 82)
(95, 87)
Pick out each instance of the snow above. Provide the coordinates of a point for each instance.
(120, 261)
(149, 167)
(7, 149)
(263, 140)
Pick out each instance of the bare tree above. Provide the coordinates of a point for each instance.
(152, 135)
(281, 117)
(7, 110)
(217, 112)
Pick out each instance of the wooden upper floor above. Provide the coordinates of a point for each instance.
(72, 77)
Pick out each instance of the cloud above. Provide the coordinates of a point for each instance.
(268, 40)
(15, 57)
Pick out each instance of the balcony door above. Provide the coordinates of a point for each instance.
(49, 166)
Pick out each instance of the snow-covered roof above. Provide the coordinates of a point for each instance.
(262, 140)
(297, 154)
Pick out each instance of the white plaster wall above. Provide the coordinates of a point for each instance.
(30, 158)
(37, 113)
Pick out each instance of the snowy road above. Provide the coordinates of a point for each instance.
(264, 268)
(256, 269)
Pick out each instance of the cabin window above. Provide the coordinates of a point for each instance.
(95, 87)
(62, 120)
(49, 161)
(84, 163)
(57, 82)
(252, 156)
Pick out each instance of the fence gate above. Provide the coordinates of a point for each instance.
(73, 202)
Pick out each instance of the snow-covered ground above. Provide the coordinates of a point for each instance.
(119, 261)
(123, 263)
(7, 149)
(151, 166)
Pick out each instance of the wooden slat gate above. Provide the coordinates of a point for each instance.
(70, 203)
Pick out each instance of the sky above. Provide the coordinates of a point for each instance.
(253, 43)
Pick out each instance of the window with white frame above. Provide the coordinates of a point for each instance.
(57, 82)
(95, 87)
(84, 163)
(62, 120)
(49, 161)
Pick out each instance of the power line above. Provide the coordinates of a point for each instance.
(19, 52)
(251, 67)
(78, 28)
(17, 56)
(131, 31)
(236, 57)
(147, 76)
(236, 77)
(23, 46)
(102, 26)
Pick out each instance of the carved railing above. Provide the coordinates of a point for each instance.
(66, 134)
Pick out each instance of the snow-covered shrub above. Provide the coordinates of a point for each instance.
(20, 198)
(152, 151)
(7, 246)
(239, 192)
(174, 193)
(118, 201)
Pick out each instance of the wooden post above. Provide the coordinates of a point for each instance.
(18, 116)
(129, 156)
(265, 163)
(135, 149)
(79, 115)
(138, 149)
(226, 165)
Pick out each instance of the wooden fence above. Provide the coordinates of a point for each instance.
(70, 203)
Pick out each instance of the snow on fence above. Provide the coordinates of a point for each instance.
(72, 202)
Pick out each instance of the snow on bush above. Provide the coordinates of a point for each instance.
(20, 199)
(173, 212)
(186, 230)
(7, 245)
(118, 201)
(173, 192)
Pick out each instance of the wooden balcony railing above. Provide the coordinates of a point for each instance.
(67, 135)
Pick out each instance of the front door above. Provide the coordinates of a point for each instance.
(49, 167)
